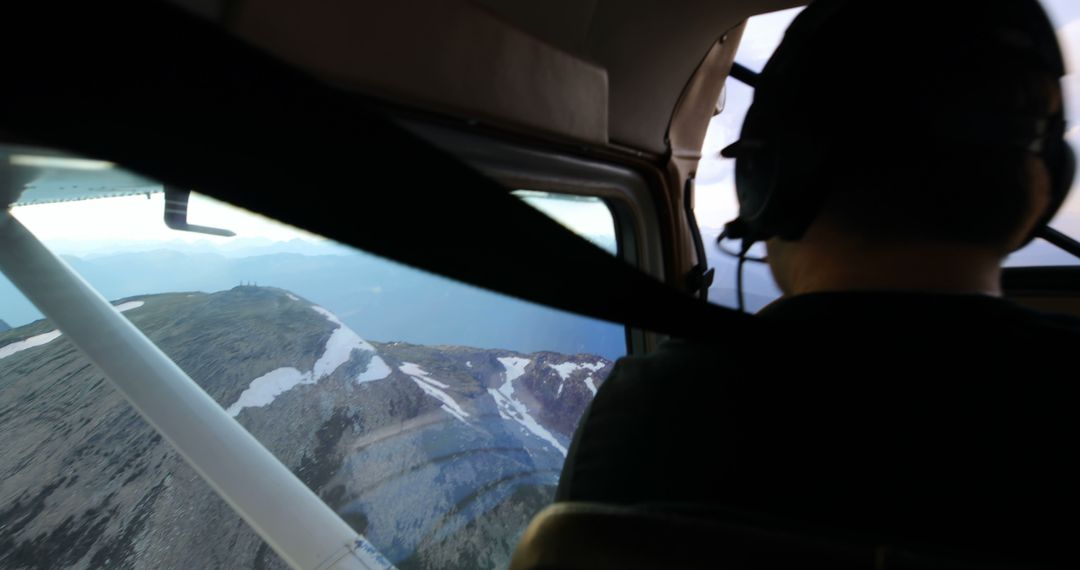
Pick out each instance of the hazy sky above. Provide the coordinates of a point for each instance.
(716, 202)
(137, 218)
(79, 227)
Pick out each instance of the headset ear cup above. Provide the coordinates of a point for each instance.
(776, 184)
(1062, 165)
(799, 192)
(1066, 174)
(754, 184)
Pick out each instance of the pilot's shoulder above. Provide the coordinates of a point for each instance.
(676, 363)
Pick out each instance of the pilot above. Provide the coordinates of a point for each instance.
(894, 155)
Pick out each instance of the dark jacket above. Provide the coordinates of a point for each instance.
(926, 419)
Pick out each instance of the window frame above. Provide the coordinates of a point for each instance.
(623, 190)
(617, 188)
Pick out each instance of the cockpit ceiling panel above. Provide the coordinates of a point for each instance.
(596, 71)
(449, 56)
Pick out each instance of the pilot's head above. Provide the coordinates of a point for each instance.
(927, 132)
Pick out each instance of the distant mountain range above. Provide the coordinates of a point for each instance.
(439, 455)
(233, 247)
(378, 298)
(4, 326)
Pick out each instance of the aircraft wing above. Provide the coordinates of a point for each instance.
(46, 177)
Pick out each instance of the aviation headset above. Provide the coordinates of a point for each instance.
(774, 162)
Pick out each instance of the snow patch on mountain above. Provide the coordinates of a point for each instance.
(45, 338)
(377, 369)
(291, 296)
(431, 387)
(511, 408)
(339, 347)
(589, 384)
(265, 388)
(415, 370)
(129, 305)
(566, 369)
(38, 340)
(448, 404)
(515, 367)
(338, 350)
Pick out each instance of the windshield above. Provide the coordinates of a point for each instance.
(715, 197)
(715, 202)
(432, 416)
(1065, 15)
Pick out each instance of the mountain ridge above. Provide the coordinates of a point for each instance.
(377, 298)
(439, 455)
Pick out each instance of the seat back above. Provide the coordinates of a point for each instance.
(571, 536)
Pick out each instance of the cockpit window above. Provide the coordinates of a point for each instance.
(1065, 15)
(1067, 221)
(715, 202)
(715, 195)
(432, 416)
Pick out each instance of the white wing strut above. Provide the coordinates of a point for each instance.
(287, 515)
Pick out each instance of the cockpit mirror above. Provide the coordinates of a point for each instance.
(176, 214)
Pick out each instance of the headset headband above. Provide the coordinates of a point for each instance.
(776, 159)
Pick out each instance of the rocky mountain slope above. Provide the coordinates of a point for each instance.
(439, 455)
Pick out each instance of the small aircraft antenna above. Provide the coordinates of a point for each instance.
(1059, 239)
(743, 250)
(176, 212)
(744, 74)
